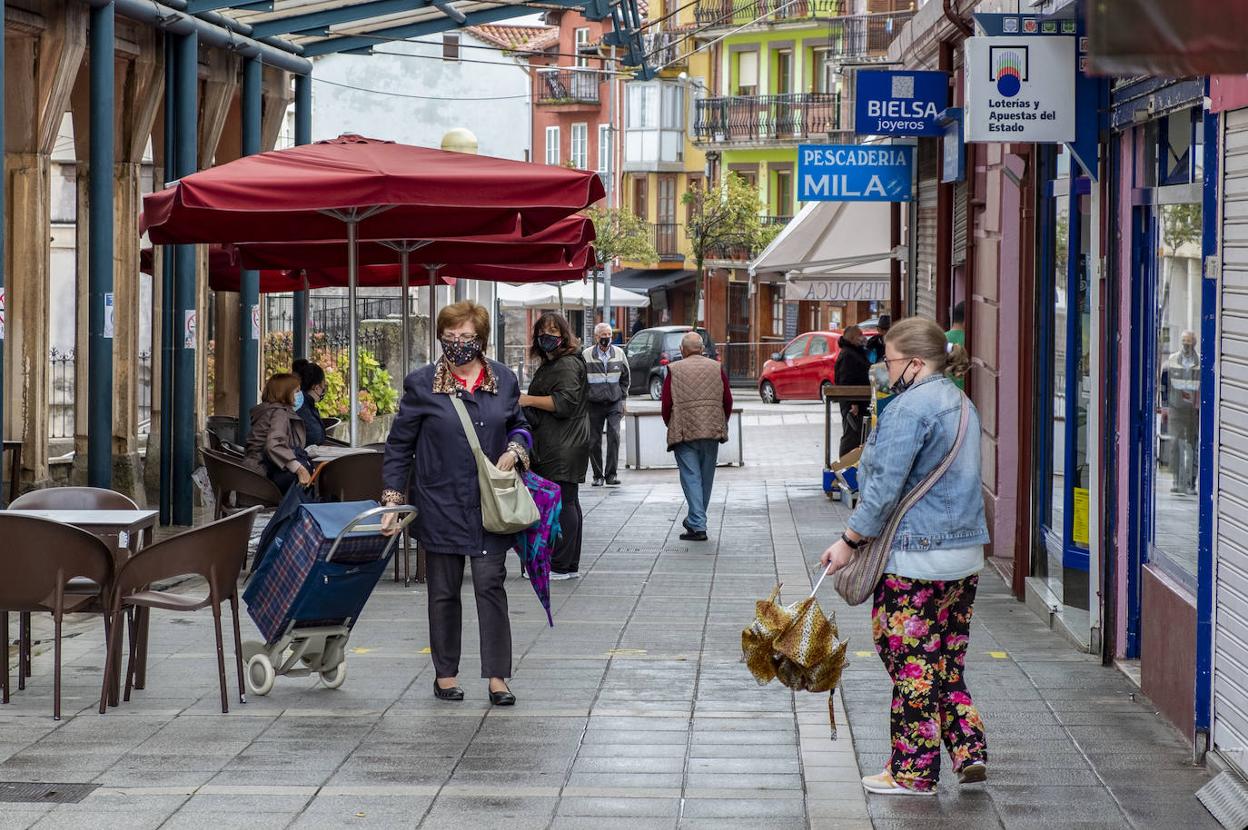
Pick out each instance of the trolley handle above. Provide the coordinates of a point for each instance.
(361, 524)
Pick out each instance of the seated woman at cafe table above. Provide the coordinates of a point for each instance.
(277, 440)
(312, 383)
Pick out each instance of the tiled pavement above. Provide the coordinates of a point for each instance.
(634, 709)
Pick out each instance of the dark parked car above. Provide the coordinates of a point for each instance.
(651, 350)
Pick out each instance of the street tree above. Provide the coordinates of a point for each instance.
(620, 235)
(723, 220)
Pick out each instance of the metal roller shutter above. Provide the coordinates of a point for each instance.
(961, 225)
(929, 187)
(1230, 661)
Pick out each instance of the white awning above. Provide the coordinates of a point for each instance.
(546, 295)
(832, 241)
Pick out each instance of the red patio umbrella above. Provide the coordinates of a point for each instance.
(386, 190)
(378, 189)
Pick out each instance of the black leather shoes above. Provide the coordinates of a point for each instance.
(694, 536)
(453, 693)
(505, 698)
(613, 482)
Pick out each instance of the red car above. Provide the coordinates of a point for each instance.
(803, 371)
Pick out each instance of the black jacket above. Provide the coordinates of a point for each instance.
(428, 441)
(853, 368)
(311, 422)
(561, 438)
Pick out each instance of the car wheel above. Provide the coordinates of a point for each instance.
(656, 388)
(825, 390)
(768, 392)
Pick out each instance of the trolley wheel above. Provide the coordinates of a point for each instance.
(251, 648)
(336, 676)
(260, 674)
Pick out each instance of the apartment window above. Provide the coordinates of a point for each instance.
(784, 71)
(450, 46)
(826, 77)
(694, 185)
(604, 148)
(582, 40)
(640, 207)
(580, 146)
(552, 145)
(784, 193)
(747, 73)
(643, 106)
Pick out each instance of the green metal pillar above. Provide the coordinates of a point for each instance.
(100, 252)
(249, 284)
(168, 331)
(186, 118)
(303, 135)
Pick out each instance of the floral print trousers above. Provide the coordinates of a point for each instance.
(921, 631)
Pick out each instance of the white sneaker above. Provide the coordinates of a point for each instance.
(558, 577)
(884, 784)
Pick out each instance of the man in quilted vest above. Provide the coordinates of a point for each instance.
(697, 403)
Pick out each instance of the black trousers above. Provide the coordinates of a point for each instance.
(604, 415)
(445, 578)
(852, 426)
(566, 558)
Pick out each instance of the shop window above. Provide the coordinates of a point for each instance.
(1176, 396)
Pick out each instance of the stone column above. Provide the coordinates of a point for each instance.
(41, 64)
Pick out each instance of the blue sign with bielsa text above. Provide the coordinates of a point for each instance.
(903, 103)
(855, 172)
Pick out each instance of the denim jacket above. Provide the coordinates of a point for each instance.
(913, 436)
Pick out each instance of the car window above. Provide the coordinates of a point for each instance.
(671, 342)
(796, 349)
(818, 345)
(640, 344)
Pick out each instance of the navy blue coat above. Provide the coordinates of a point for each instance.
(428, 441)
(312, 421)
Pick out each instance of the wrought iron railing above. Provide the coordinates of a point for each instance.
(740, 13)
(666, 49)
(565, 86)
(864, 36)
(753, 118)
(666, 239)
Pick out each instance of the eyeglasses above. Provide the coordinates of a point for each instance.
(459, 339)
(889, 361)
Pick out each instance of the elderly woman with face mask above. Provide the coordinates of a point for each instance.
(922, 611)
(430, 463)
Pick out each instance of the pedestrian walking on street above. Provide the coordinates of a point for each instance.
(429, 448)
(608, 390)
(922, 610)
(852, 369)
(697, 403)
(875, 343)
(557, 406)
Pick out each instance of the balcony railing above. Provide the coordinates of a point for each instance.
(864, 36)
(742, 12)
(565, 86)
(742, 252)
(666, 239)
(741, 118)
(664, 49)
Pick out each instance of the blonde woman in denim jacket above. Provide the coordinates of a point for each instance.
(921, 616)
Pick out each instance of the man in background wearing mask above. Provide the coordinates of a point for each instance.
(608, 389)
(1183, 419)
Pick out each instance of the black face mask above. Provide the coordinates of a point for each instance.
(604, 342)
(902, 384)
(549, 342)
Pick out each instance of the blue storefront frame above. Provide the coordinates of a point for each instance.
(1073, 556)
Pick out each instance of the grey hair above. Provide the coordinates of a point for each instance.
(601, 327)
(691, 343)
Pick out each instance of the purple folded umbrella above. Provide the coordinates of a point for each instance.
(536, 545)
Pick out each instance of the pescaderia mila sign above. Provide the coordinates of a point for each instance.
(1020, 89)
(855, 172)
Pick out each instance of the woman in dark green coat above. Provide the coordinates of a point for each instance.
(558, 412)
